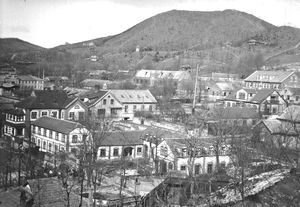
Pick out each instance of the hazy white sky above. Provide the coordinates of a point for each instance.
(49, 23)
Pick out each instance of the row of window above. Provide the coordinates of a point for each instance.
(114, 111)
(197, 168)
(201, 152)
(30, 82)
(48, 146)
(126, 107)
(54, 114)
(49, 133)
(262, 85)
(116, 152)
(142, 81)
(34, 114)
(15, 118)
(239, 104)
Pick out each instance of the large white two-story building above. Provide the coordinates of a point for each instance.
(53, 135)
(120, 104)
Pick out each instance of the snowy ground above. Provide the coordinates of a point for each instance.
(252, 186)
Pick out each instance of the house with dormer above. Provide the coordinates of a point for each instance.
(265, 101)
(272, 79)
(120, 104)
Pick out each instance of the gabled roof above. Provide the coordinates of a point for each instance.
(93, 96)
(16, 112)
(29, 78)
(294, 91)
(273, 125)
(231, 96)
(278, 125)
(269, 76)
(133, 96)
(55, 99)
(261, 95)
(233, 113)
(176, 145)
(74, 100)
(250, 90)
(58, 125)
(123, 138)
(225, 86)
(291, 113)
(75, 91)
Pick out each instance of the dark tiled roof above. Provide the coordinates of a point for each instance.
(29, 78)
(6, 106)
(295, 91)
(262, 95)
(93, 96)
(59, 125)
(250, 90)
(121, 138)
(45, 100)
(177, 144)
(231, 96)
(233, 113)
(15, 112)
(22, 93)
(291, 113)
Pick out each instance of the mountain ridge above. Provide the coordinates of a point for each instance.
(182, 29)
(15, 45)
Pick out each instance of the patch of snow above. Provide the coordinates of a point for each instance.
(252, 186)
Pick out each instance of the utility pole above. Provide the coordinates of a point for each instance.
(195, 90)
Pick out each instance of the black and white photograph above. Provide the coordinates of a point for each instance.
(149, 103)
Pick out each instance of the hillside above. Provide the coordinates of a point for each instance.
(15, 45)
(204, 32)
(185, 29)
(216, 39)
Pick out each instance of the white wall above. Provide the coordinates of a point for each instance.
(203, 161)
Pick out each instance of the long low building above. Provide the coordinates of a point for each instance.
(113, 144)
(174, 154)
